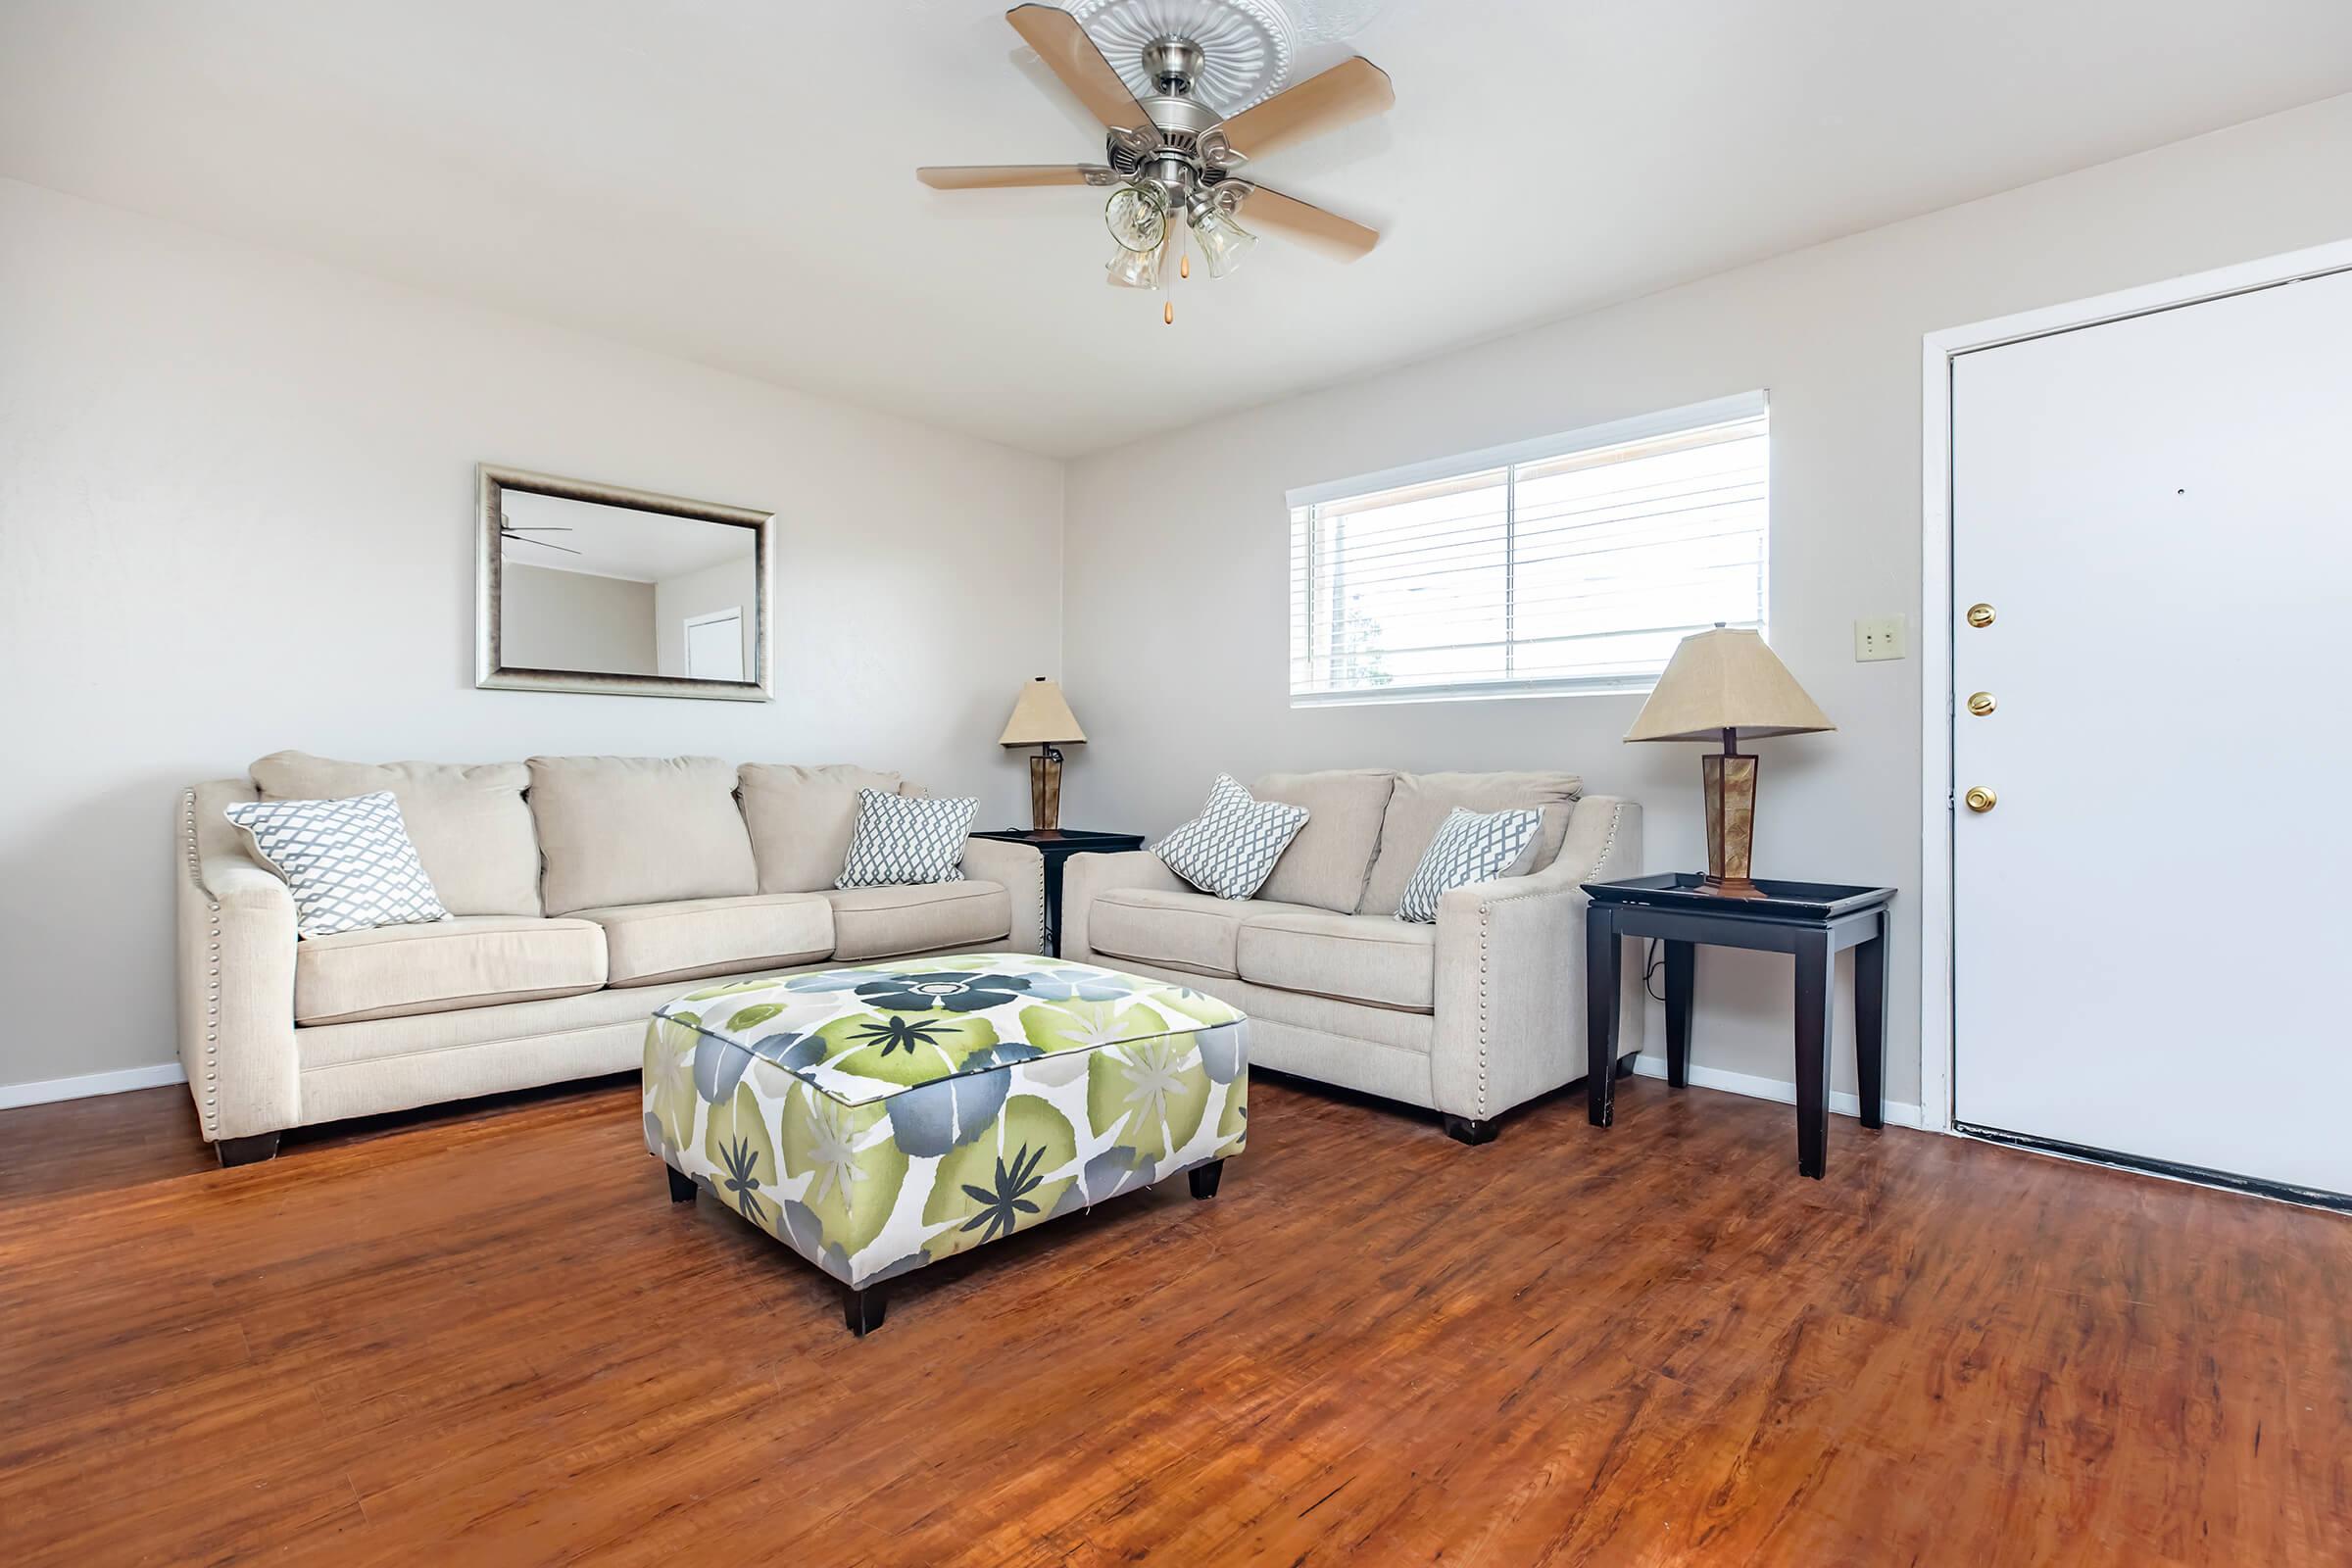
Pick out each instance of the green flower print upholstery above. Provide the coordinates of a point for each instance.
(881, 1118)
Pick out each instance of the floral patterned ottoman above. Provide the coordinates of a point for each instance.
(878, 1119)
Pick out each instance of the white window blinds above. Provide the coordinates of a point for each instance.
(1574, 563)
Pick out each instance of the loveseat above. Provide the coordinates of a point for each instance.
(1468, 1016)
(583, 893)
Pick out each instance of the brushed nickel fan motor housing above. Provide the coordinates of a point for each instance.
(1175, 166)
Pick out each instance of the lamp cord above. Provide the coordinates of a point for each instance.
(1650, 960)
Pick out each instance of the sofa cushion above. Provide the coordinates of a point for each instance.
(470, 824)
(1420, 804)
(801, 819)
(618, 830)
(1194, 931)
(1371, 958)
(1328, 863)
(916, 917)
(471, 962)
(647, 944)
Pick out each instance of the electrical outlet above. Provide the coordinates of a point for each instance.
(1881, 638)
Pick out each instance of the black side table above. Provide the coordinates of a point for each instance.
(1058, 847)
(1810, 922)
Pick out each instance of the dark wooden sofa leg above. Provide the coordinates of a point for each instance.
(681, 1186)
(246, 1151)
(1463, 1130)
(1625, 1066)
(1204, 1178)
(863, 1309)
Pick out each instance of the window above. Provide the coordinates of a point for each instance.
(1573, 563)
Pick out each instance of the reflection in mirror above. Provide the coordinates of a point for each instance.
(593, 588)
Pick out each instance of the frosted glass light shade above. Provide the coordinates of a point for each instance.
(1223, 241)
(1133, 268)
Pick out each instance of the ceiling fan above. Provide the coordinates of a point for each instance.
(522, 535)
(1170, 158)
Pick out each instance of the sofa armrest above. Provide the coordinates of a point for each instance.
(1022, 870)
(1085, 876)
(237, 973)
(1511, 979)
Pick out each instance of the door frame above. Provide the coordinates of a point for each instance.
(1937, 705)
(688, 623)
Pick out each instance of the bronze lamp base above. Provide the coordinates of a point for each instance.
(1045, 790)
(1730, 792)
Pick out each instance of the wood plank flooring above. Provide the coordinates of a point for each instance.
(487, 1337)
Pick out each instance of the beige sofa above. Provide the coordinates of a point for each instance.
(1469, 1016)
(584, 892)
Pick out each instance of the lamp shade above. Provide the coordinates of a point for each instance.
(1041, 718)
(1719, 680)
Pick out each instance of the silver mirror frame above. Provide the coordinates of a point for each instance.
(491, 482)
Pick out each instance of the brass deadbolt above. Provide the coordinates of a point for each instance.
(1980, 704)
(1979, 614)
(1981, 799)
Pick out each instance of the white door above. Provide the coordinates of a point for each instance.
(714, 645)
(2152, 925)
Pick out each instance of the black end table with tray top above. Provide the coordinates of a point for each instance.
(1810, 922)
(1058, 846)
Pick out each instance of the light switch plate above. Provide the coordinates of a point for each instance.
(1881, 638)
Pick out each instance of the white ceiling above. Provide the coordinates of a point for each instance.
(732, 180)
(615, 541)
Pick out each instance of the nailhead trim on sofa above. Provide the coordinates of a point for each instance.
(211, 1002)
(1485, 916)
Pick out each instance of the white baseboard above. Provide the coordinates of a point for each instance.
(1898, 1114)
(96, 1083)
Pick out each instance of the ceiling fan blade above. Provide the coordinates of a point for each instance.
(998, 176)
(1341, 238)
(1062, 44)
(544, 544)
(1345, 93)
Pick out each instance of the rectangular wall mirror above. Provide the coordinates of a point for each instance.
(588, 587)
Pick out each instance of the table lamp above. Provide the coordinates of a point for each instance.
(1042, 719)
(1717, 684)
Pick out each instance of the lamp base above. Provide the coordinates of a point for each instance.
(1045, 790)
(1731, 796)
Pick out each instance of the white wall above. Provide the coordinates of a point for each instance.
(236, 514)
(1175, 551)
(550, 619)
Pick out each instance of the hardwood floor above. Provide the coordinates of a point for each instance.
(489, 1336)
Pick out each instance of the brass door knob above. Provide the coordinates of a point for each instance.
(1980, 616)
(1981, 799)
(1980, 704)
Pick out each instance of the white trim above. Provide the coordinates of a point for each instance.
(1642, 426)
(686, 631)
(1898, 1114)
(1937, 351)
(50, 1090)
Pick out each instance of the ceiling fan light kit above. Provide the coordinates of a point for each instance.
(1170, 154)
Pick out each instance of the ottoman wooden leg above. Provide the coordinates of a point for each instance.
(863, 1309)
(681, 1187)
(1204, 1178)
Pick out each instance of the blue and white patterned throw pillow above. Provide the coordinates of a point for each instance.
(1469, 848)
(349, 862)
(1230, 848)
(906, 839)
